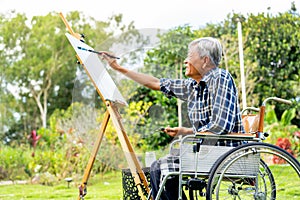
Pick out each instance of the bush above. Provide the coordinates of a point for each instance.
(285, 144)
(282, 132)
(14, 162)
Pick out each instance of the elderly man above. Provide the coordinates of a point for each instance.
(211, 96)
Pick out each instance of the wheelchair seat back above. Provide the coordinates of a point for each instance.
(202, 161)
(250, 123)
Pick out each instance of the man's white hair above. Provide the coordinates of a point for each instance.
(208, 46)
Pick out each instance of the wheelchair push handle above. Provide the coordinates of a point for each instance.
(250, 109)
(262, 112)
(276, 99)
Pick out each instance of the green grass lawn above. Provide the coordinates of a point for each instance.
(108, 186)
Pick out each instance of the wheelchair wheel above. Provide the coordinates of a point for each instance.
(249, 172)
(263, 182)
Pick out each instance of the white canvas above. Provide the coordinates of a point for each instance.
(97, 72)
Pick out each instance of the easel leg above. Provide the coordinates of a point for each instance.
(82, 187)
(130, 155)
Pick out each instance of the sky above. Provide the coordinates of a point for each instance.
(160, 14)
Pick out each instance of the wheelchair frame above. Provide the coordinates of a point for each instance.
(208, 167)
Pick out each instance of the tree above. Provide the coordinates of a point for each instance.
(273, 42)
(169, 58)
(226, 32)
(36, 58)
(271, 49)
(39, 62)
(166, 60)
(11, 110)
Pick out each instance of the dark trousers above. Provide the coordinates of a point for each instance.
(171, 187)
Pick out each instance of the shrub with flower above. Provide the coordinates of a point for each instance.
(33, 138)
(285, 144)
(282, 132)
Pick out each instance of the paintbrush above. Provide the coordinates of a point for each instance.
(98, 52)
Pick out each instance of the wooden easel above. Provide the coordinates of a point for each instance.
(111, 112)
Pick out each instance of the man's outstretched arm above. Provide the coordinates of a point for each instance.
(143, 79)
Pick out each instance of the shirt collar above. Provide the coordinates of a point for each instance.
(205, 79)
(208, 75)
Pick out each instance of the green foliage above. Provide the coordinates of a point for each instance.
(79, 129)
(167, 59)
(55, 158)
(271, 45)
(282, 128)
(287, 117)
(36, 58)
(40, 64)
(61, 151)
(273, 42)
(148, 111)
(19, 164)
(14, 136)
(14, 162)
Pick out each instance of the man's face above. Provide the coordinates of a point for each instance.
(193, 64)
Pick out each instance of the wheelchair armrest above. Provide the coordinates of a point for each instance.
(174, 150)
(227, 136)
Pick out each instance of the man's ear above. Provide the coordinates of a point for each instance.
(206, 60)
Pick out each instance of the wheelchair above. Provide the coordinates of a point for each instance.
(207, 171)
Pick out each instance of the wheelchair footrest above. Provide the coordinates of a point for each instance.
(196, 184)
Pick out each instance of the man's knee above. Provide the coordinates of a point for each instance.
(155, 165)
(155, 170)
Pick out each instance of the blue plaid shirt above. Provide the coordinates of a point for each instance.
(212, 104)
